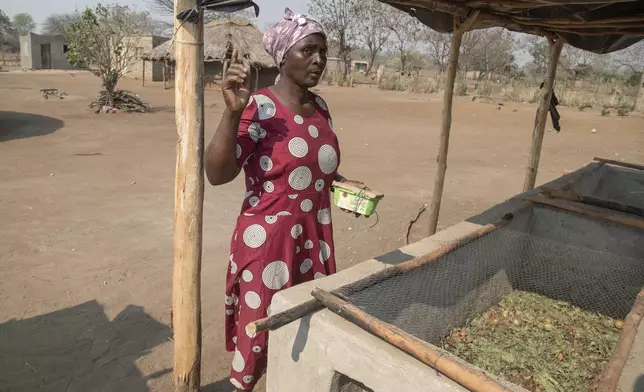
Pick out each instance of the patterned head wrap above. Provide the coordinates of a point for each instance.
(291, 29)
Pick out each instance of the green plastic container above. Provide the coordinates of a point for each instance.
(352, 198)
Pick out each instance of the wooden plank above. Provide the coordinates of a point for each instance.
(188, 201)
(280, 319)
(620, 163)
(594, 201)
(473, 379)
(609, 377)
(542, 116)
(582, 209)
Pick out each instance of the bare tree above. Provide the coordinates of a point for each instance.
(633, 59)
(576, 62)
(146, 24)
(488, 52)
(339, 17)
(439, 45)
(538, 48)
(56, 24)
(406, 31)
(8, 35)
(373, 30)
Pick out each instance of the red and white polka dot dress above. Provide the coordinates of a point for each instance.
(284, 234)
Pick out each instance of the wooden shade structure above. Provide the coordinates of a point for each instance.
(596, 25)
(599, 26)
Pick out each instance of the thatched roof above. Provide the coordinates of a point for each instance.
(599, 26)
(219, 38)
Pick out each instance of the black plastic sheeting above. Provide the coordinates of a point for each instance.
(228, 6)
(564, 9)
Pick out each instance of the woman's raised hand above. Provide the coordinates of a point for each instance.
(236, 84)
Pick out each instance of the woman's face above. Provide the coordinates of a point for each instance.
(306, 60)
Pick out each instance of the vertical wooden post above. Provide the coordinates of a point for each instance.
(542, 115)
(143, 75)
(165, 64)
(188, 199)
(381, 70)
(439, 181)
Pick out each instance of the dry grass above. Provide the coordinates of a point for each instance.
(578, 98)
(519, 93)
(539, 343)
(484, 89)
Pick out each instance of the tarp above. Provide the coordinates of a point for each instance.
(517, 16)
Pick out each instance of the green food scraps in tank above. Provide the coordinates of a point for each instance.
(538, 343)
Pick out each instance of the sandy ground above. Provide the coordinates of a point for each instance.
(86, 214)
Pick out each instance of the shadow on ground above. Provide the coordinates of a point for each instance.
(219, 386)
(79, 349)
(17, 125)
(639, 384)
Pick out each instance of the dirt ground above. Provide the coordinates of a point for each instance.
(86, 207)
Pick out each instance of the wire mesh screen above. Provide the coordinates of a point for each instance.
(430, 301)
(615, 184)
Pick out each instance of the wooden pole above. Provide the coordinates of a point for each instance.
(165, 64)
(281, 319)
(542, 115)
(470, 378)
(594, 201)
(439, 181)
(143, 75)
(581, 209)
(188, 208)
(620, 163)
(609, 378)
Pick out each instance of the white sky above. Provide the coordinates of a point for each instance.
(270, 10)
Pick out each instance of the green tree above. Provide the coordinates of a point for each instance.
(100, 40)
(23, 23)
(8, 35)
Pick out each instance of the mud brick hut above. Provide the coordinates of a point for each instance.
(220, 38)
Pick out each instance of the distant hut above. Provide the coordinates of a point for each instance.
(220, 38)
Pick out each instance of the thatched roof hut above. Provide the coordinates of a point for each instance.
(220, 37)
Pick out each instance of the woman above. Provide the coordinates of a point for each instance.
(283, 138)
